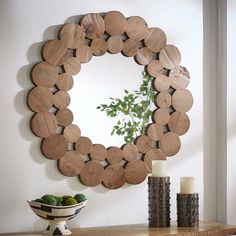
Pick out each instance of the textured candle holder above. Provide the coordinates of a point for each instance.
(159, 201)
(187, 210)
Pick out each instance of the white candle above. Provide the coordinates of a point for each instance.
(159, 168)
(187, 185)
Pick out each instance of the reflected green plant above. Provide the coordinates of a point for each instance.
(133, 110)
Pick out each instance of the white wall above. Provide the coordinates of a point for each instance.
(24, 172)
(231, 113)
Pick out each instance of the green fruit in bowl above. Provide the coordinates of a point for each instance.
(40, 200)
(50, 199)
(80, 197)
(70, 201)
(64, 199)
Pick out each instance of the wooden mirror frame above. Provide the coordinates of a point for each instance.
(62, 58)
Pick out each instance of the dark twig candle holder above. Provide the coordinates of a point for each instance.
(159, 201)
(187, 210)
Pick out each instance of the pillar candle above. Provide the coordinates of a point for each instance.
(187, 185)
(159, 168)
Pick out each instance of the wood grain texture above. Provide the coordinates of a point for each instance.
(154, 132)
(44, 74)
(163, 100)
(94, 25)
(84, 54)
(155, 39)
(130, 151)
(64, 117)
(99, 47)
(40, 99)
(161, 116)
(71, 164)
(179, 77)
(135, 172)
(43, 124)
(153, 154)
(130, 48)
(143, 143)
(161, 83)
(179, 123)
(72, 66)
(92, 174)
(65, 82)
(170, 143)
(72, 133)
(98, 152)
(182, 100)
(55, 52)
(73, 35)
(155, 68)
(144, 56)
(115, 23)
(83, 145)
(170, 56)
(114, 155)
(114, 176)
(137, 28)
(54, 146)
(61, 99)
(114, 44)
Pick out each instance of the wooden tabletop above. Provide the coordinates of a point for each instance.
(205, 229)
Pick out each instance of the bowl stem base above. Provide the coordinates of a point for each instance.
(57, 228)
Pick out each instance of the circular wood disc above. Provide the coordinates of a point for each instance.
(130, 151)
(130, 48)
(61, 99)
(99, 47)
(115, 23)
(179, 123)
(170, 56)
(115, 44)
(155, 131)
(182, 100)
(92, 174)
(40, 99)
(170, 143)
(83, 145)
(84, 54)
(94, 25)
(64, 117)
(143, 143)
(72, 66)
(153, 154)
(179, 77)
(154, 68)
(144, 56)
(137, 28)
(155, 39)
(114, 155)
(71, 164)
(65, 82)
(163, 100)
(43, 124)
(114, 176)
(73, 35)
(161, 116)
(161, 83)
(135, 172)
(98, 152)
(72, 133)
(55, 52)
(54, 146)
(44, 74)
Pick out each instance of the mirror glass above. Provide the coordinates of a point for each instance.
(99, 80)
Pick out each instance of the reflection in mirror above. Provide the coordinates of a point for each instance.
(100, 80)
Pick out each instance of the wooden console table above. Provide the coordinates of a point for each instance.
(204, 229)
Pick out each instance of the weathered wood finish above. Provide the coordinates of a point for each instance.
(77, 43)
